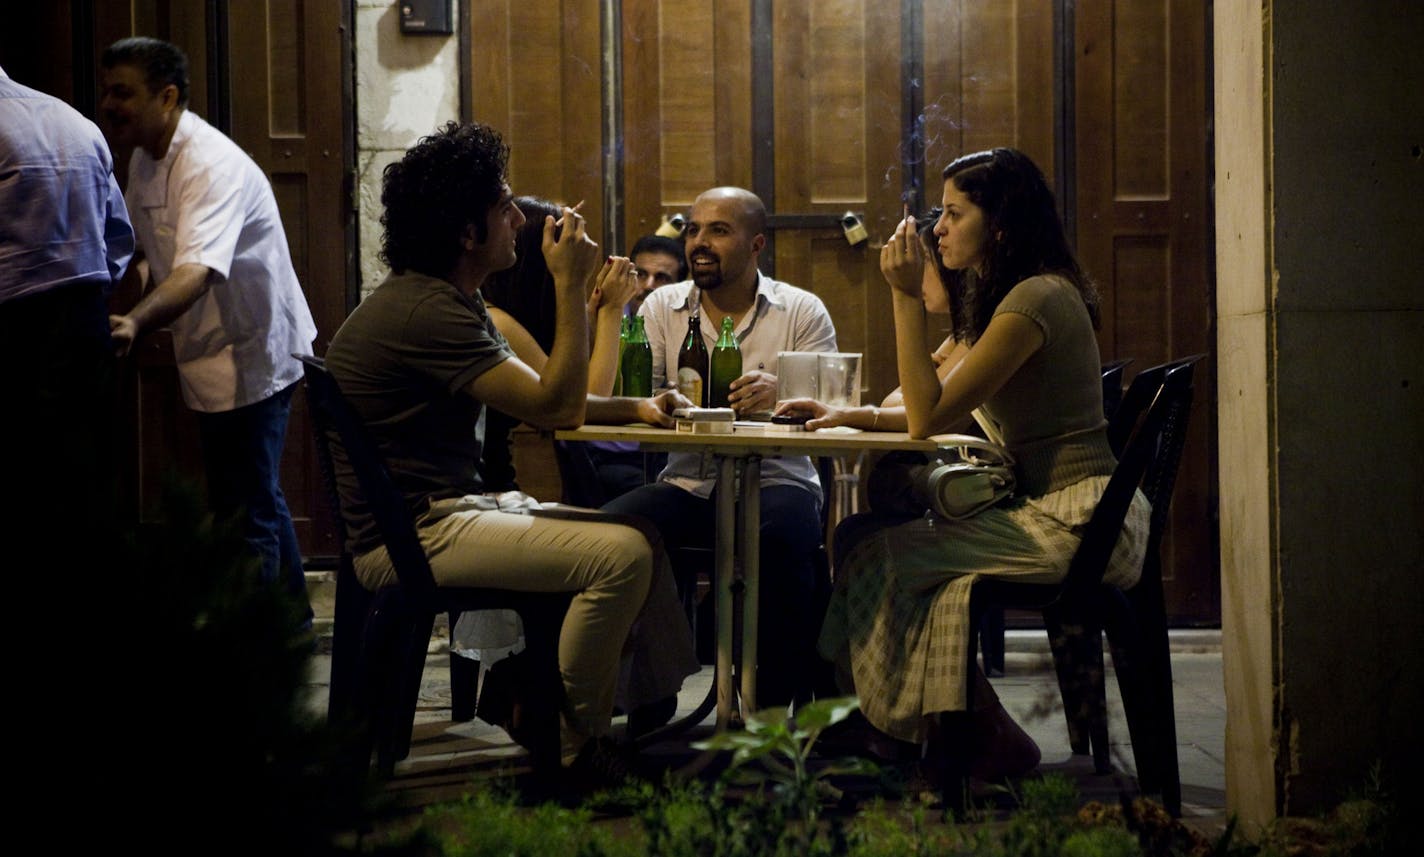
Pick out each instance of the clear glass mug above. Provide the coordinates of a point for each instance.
(839, 379)
(797, 375)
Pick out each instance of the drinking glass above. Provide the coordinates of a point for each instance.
(796, 375)
(839, 379)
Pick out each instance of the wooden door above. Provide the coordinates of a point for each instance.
(828, 107)
(288, 67)
(537, 76)
(1144, 233)
(275, 77)
(819, 106)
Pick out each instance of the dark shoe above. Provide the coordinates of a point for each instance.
(601, 765)
(855, 736)
(646, 718)
(523, 700)
(1006, 751)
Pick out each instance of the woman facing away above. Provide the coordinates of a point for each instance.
(889, 415)
(521, 302)
(1023, 354)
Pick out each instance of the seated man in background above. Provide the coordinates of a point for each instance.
(420, 359)
(657, 261)
(725, 233)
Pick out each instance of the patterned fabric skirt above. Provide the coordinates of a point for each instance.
(898, 619)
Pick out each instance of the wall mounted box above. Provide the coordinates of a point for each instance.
(426, 17)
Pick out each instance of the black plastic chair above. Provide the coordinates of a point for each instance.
(991, 624)
(1112, 385)
(1078, 609)
(380, 638)
(1135, 621)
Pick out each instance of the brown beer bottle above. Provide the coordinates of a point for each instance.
(692, 364)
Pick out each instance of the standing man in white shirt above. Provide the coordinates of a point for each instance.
(207, 220)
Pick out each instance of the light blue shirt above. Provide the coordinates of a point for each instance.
(784, 318)
(62, 216)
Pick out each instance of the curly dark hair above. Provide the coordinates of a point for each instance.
(161, 62)
(443, 183)
(1024, 236)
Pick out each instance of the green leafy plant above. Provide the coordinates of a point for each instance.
(492, 824)
(781, 744)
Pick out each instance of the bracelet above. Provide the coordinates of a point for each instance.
(876, 421)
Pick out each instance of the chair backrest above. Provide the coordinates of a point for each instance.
(1140, 393)
(1162, 472)
(1145, 439)
(1112, 385)
(346, 441)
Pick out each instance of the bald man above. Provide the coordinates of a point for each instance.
(723, 238)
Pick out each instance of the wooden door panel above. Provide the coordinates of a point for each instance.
(686, 100)
(837, 118)
(537, 79)
(286, 61)
(1142, 217)
(988, 81)
(698, 79)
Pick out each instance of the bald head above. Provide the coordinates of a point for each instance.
(746, 203)
(725, 232)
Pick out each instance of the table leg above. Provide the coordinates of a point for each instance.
(725, 541)
(751, 574)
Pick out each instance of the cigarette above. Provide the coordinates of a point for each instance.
(907, 211)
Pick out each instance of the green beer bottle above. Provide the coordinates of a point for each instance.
(624, 326)
(726, 366)
(637, 363)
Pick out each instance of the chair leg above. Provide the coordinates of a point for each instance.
(952, 750)
(1151, 609)
(1078, 662)
(991, 641)
(394, 740)
(1142, 659)
(353, 604)
(464, 679)
(383, 639)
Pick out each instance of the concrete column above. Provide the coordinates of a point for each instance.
(1320, 251)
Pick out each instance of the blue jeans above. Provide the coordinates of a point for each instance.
(242, 453)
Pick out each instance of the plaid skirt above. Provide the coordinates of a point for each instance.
(898, 621)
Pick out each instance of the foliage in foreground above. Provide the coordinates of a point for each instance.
(201, 739)
(697, 820)
(782, 816)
